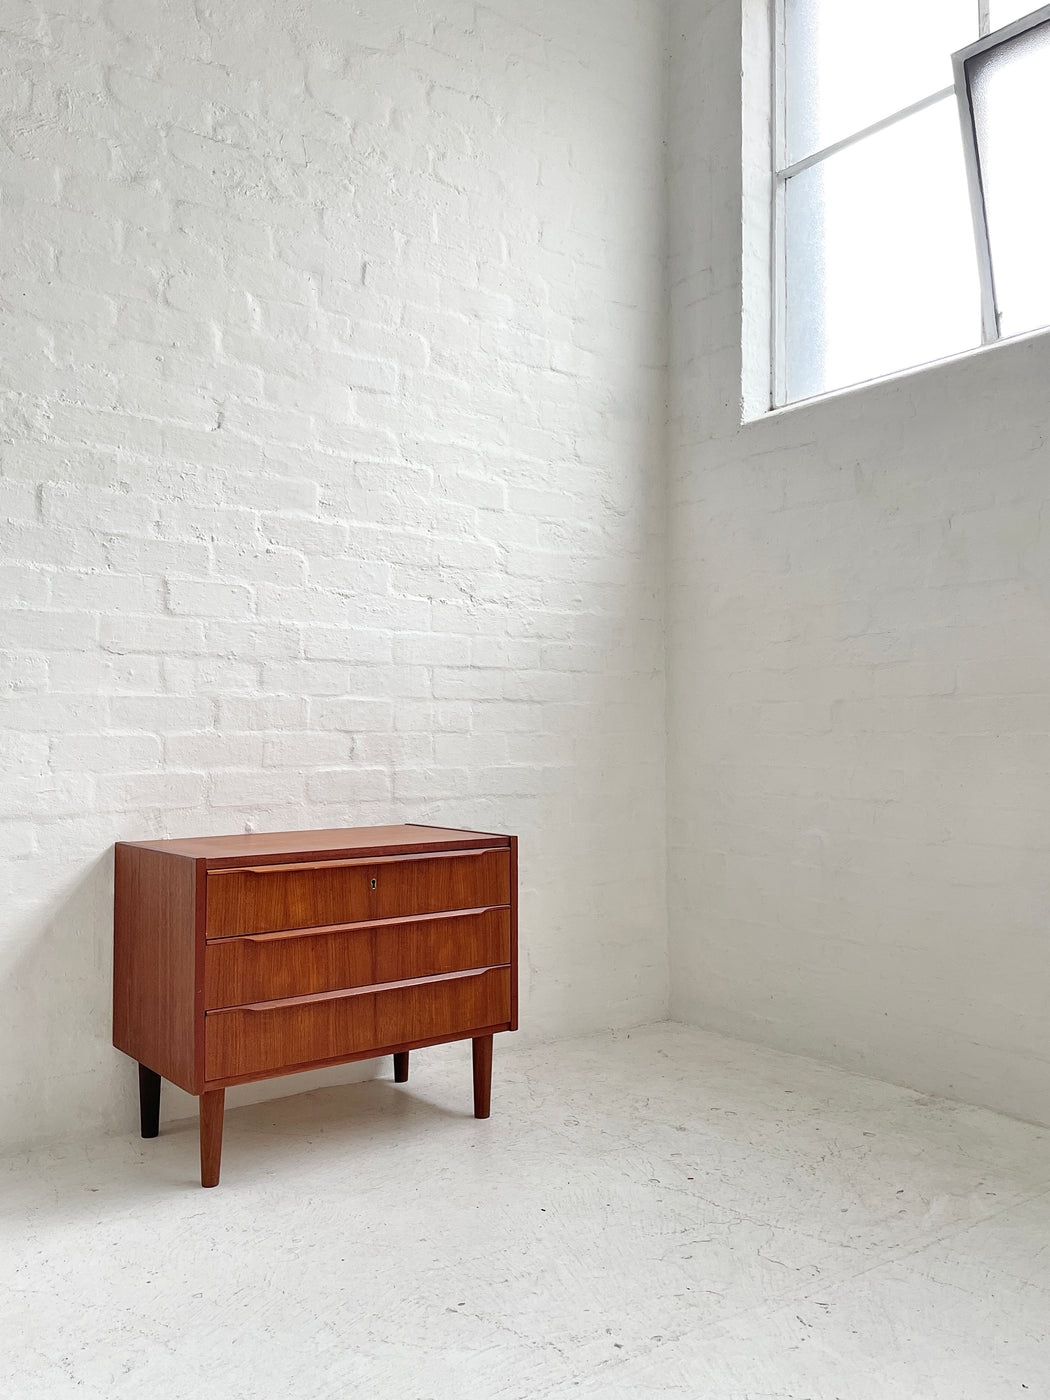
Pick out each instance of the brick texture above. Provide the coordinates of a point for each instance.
(331, 450)
(859, 684)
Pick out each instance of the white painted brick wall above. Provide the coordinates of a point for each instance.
(859, 706)
(331, 443)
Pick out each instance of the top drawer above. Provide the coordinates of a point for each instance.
(265, 898)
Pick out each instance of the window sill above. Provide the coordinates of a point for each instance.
(852, 391)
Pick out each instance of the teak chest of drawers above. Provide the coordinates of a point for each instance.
(244, 957)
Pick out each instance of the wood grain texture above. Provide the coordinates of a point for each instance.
(262, 899)
(250, 1040)
(211, 1109)
(372, 1053)
(244, 848)
(481, 1056)
(268, 966)
(158, 963)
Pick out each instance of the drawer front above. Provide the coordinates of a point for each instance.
(266, 966)
(255, 1039)
(266, 898)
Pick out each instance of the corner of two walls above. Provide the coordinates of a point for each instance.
(332, 472)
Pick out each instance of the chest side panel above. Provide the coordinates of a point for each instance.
(158, 1004)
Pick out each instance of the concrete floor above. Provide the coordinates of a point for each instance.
(660, 1213)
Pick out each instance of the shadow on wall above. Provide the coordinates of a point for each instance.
(59, 1061)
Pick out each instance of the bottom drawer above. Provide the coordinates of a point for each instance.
(279, 1035)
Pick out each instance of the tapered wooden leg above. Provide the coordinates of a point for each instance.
(482, 1075)
(401, 1067)
(149, 1102)
(211, 1107)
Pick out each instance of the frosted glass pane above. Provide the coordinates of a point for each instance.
(1011, 101)
(849, 64)
(881, 270)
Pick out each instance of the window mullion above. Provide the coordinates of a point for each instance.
(934, 320)
(797, 167)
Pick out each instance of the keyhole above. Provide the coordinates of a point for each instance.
(373, 884)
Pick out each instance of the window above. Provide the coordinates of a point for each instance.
(911, 209)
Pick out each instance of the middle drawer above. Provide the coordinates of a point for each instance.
(268, 966)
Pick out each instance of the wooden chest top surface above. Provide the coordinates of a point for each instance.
(257, 846)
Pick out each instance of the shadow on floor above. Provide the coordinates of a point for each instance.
(261, 1142)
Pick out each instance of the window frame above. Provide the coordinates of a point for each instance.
(991, 319)
(782, 171)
